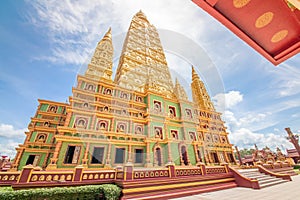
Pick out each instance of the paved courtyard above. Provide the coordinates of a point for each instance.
(284, 191)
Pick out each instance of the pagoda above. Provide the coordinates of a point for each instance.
(139, 118)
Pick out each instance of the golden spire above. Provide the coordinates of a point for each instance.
(101, 63)
(143, 59)
(107, 35)
(200, 95)
(179, 91)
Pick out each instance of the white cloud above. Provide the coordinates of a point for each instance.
(227, 100)
(8, 148)
(286, 79)
(245, 138)
(8, 131)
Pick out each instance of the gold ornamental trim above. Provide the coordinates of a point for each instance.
(280, 35)
(240, 3)
(264, 20)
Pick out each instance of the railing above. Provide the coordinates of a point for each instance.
(35, 177)
(215, 169)
(8, 178)
(150, 173)
(50, 176)
(190, 171)
(98, 175)
(262, 169)
(243, 181)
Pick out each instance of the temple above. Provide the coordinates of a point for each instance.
(139, 131)
(140, 118)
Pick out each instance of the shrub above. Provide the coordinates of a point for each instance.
(90, 192)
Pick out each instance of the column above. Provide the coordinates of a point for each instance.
(17, 160)
(108, 161)
(196, 153)
(170, 160)
(68, 118)
(93, 120)
(129, 156)
(53, 161)
(148, 163)
(85, 157)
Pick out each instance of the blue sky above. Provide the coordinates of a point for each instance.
(44, 44)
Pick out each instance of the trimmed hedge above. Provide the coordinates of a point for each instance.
(90, 192)
(297, 166)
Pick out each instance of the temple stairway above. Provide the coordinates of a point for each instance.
(263, 179)
(177, 187)
(286, 170)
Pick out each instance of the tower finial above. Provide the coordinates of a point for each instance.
(108, 34)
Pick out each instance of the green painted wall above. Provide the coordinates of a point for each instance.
(25, 156)
(191, 154)
(72, 121)
(49, 138)
(44, 107)
(175, 153)
(59, 110)
(33, 135)
(82, 85)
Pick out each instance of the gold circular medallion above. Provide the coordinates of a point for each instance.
(280, 35)
(264, 20)
(240, 3)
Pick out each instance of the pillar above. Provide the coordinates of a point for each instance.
(17, 160)
(25, 174)
(196, 153)
(85, 157)
(78, 173)
(53, 161)
(148, 161)
(129, 156)
(128, 172)
(170, 160)
(108, 160)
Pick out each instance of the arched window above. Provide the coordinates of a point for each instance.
(105, 109)
(192, 136)
(52, 108)
(188, 113)
(139, 99)
(107, 91)
(158, 132)
(102, 125)
(138, 130)
(85, 105)
(124, 95)
(174, 134)
(172, 111)
(90, 87)
(81, 123)
(41, 137)
(157, 106)
(121, 127)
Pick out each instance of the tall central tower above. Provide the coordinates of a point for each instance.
(143, 62)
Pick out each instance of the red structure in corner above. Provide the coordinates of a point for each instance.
(271, 27)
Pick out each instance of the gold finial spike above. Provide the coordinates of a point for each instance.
(141, 15)
(108, 34)
(194, 74)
